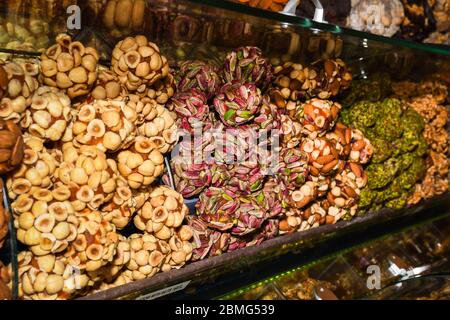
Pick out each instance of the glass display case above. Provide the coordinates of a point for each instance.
(208, 30)
(411, 264)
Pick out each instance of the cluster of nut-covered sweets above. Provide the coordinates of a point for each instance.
(83, 147)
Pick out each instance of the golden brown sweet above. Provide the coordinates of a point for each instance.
(138, 63)
(44, 221)
(36, 169)
(49, 277)
(96, 242)
(11, 146)
(162, 213)
(87, 176)
(69, 66)
(160, 126)
(18, 80)
(124, 16)
(49, 114)
(141, 164)
(106, 124)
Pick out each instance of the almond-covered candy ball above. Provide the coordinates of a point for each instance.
(138, 63)
(361, 149)
(70, 66)
(36, 170)
(48, 115)
(141, 163)
(106, 124)
(341, 136)
(323, 156)
(47, 224)
(346, 187)
(318, 116)
(162, 213)
(88, 175)
(49, 277)
(302, 196)
(96, 242)
(18, 81)
(11, 146)
(160, 126)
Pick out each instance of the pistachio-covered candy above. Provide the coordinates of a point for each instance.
(106, 124)
(238, 103)
(200, 75)
(247, 64)
(70, 66)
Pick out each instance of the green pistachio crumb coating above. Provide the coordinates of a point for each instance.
(398, 163)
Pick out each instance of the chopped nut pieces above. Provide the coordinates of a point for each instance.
(436, 135)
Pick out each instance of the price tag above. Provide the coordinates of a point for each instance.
(164, 292)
